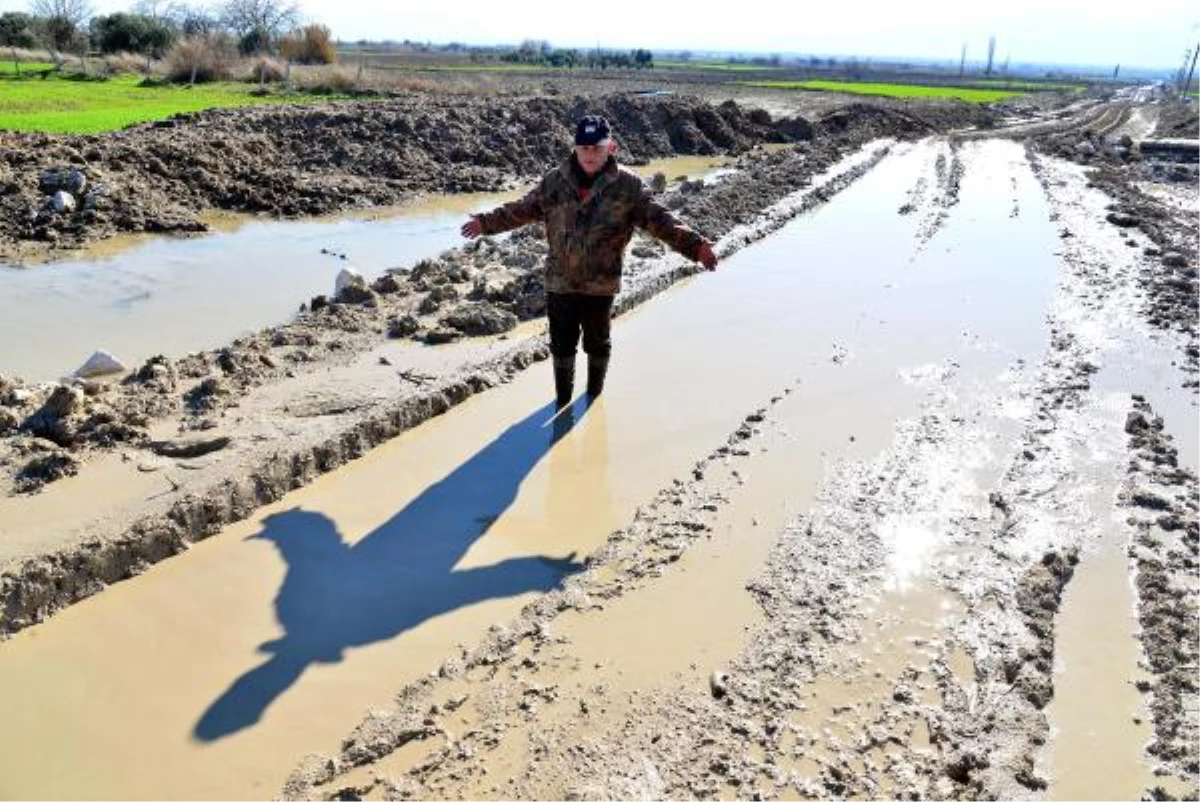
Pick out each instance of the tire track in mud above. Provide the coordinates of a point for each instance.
(770, 190)
(957, 711)
(935, 198)
(1162, 500)
(1158, 499)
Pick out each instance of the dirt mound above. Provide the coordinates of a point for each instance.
(307, 160)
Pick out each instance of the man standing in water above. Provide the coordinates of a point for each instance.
(590, 206)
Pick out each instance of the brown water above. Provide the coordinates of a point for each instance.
(213, 673)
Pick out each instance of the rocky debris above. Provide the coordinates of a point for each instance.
(476, 319)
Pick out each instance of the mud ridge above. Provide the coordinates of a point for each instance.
(1162, 500)
(39, 587)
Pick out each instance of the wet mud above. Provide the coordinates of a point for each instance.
(855, 676)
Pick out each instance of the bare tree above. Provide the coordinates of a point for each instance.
(64, 20)
(156, 9)
(991, 54)
(271, 17)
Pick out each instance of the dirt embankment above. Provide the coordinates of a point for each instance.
(292, 161)
(487, 288)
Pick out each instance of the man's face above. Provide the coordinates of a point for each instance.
(592, 157)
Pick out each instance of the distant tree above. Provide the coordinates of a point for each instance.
(262, 18)
(991, 54)
(685, 56)
(254, 41)
(131, 33)
(63, 22)
(18, 29)
(643, 59)
(193, 21)
(156, 9)
(1116, 71)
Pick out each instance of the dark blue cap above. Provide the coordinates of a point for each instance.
(591, 130)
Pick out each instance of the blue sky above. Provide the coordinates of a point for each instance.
(1146, 33)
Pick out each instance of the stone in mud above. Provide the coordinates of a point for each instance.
(100, 363)
(718, 684)
(63, 202)
(1174, 259)
(475, 319)
(62, 179)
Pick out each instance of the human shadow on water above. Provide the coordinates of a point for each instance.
(336, 595)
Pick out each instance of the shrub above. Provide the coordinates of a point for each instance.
(312, 44)
(267, 70)
(125, 64)
(333, 80)
(198, 59)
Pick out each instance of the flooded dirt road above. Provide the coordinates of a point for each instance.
(845, 522)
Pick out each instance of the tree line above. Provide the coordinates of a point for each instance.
(542, 53)
(153, 27)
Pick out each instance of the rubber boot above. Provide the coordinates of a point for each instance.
(597, 368)
(564, 380)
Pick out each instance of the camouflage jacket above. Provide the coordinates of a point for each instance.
(587, 238)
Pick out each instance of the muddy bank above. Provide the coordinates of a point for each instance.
(292, 161)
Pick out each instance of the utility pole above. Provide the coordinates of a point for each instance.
(962, 62)
(1191, 71)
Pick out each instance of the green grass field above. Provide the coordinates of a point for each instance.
(1031, 86)
(902, 91)
(9, 69)
(82, 106)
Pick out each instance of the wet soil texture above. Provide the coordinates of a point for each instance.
(895, 633)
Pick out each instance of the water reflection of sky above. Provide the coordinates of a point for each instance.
(172, 295)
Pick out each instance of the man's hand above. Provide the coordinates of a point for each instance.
(472, 228)
(706, 257)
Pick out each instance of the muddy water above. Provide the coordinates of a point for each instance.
(214, 672)
(140, 296)
(173, 295)
(1102, 722)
